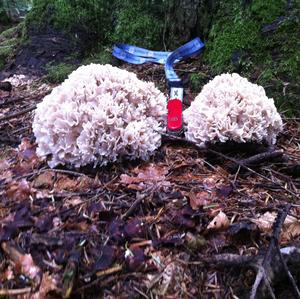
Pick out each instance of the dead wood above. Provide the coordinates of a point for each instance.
(260, 158)
(19, 113)
(263, 269)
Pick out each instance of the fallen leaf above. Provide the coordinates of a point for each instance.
(116, 230)
(134, 228)
(18, 190)
(27, 150)
(221, 221)
(49, 283)
(106, 259)
(5, 172)
(135, 259)
(199, 199)
(44, 180)
(7, 274)
(44, 223)
(24, 263)
(175, 239)
(66, 183)
(150, 175)
(290, 229)
(224, 191)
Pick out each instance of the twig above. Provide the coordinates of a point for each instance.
(12, 101)
(63, 171)
(290, 276)
(113, 270)
(14, 292)
(171, 137)
(259, 158)
(20, 130)
(140, 292)
(261, 274)
(98, 282)
(139, 199)
(13, 115)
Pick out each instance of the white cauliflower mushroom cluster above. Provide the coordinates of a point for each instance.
(229, 107)
(97, 115)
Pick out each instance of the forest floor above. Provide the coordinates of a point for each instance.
(190, 223)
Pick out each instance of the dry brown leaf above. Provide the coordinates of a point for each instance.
(49, 283)
(44, 180)
(200, 199)
(221, 221)
(18, 190)
(265, 221)
(23, 263)
(28, 267)
(150, 175)
(290, 230)
(8, 274)
(73, 201)
(73, 184)
(5, 172)
(65, 183)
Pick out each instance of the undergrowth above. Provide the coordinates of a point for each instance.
(59, 72)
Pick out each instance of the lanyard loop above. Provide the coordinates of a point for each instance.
(137, 55)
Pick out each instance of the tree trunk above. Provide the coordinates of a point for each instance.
(187, 19)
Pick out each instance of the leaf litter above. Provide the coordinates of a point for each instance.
(141, 229)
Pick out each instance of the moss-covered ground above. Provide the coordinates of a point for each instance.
(261, 41)
(258, 39)
(10, 40)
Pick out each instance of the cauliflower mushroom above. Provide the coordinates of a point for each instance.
(229, 107)
(97, 115)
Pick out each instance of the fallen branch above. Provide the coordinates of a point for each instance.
(12, 101)
(288, 273)
(262, 157)
(113, 270)
(262, 273)
(19, 113)
(63, 171)
(136, 203)
(14, 292)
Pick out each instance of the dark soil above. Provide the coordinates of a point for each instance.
(40, 50)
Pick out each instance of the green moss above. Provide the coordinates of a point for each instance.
(3, 16)
(102, 56)
(138, 24)
(197, 81)
(264, 11)
(59, 72)
(240, 36)
(2, 64)
(240, 41)
(10, 40)
(85, 17)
